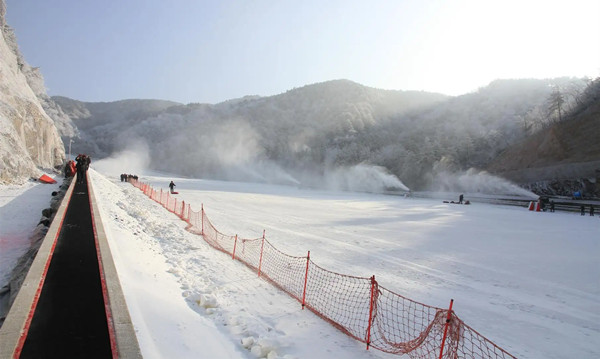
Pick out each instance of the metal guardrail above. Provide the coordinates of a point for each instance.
(562, 204)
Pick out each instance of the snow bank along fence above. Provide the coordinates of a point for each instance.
(358, 306)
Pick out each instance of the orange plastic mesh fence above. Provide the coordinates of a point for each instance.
(418, 334)
(217, 239)
(340, 299)
(468, 343)
(357, 306)
(286, 271)
(194, 219)
(248, 252)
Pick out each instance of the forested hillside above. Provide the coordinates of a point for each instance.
(562, 157)
(330, 133)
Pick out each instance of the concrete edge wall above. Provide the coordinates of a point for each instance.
(126, 340)
(21, 311)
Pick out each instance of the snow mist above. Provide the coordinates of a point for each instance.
(474, 181)
(235, 153)
(363, 178)
(133, 160)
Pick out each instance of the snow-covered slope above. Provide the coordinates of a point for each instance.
(525, 280)
(29, 139)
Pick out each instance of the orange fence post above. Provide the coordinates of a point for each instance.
(261, 252)
(305, 280)
(446, 328)
(234, 245)
(202, 216)
(371, 305)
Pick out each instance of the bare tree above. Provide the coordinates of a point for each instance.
(555, 103)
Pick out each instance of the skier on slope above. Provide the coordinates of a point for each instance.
(172, 186)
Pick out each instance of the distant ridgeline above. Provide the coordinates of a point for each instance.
(320, 134)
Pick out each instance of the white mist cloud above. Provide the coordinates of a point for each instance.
(475, 181)
(266, 171)
(234, 151)
(133, 160)
(235, 144)
(362, 178)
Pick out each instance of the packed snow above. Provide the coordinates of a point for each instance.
(20, 211)
(528, 281)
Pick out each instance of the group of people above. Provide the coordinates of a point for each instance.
(82, 165)
(127, 177)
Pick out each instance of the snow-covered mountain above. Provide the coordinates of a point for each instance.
(286, 138)
(29, 139)
(97, 125)
(332, 132)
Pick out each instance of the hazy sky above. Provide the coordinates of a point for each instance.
(210, 51)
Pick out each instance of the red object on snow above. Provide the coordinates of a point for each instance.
(47, 179)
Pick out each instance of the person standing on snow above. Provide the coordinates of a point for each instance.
(172, 186)
(80, 166)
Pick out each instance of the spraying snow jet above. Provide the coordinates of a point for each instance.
(474, 181)
(238, 151)
(363, 178)
(133, 160)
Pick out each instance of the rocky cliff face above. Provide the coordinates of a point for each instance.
(29, 139)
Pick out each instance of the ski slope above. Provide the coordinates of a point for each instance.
(528, 281)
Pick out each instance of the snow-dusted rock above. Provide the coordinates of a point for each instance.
(29, 140)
